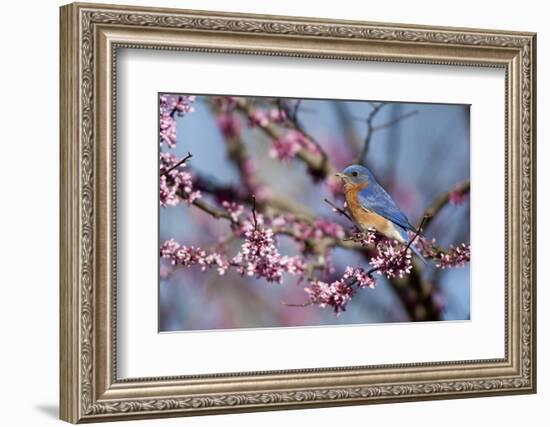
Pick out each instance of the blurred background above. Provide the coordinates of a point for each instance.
(417, 152)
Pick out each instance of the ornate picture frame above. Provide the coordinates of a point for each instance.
(90, 37)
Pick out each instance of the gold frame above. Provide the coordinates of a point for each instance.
(90, 35)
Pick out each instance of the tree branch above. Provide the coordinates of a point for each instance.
(417, 232)
(442, 201)
(366, 143)
(177, 165)
(339, 210)
(292, 120)
(394, 121)
(237, 153)
(213, 211)
(371, 128)
(254, 212)
(316, 163)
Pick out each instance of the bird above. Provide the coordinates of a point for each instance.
(370, 206)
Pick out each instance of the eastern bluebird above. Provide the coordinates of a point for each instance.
(371, 206)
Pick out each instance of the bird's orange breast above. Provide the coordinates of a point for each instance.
(363, 217)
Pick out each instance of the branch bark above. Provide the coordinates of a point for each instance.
(443, 199)
(317, 164)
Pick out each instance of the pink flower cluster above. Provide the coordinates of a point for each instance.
(177, 184)
(455, 256)
(262, 117)
(392, 259)
(258, 256)
(457, 196)
(229, 124)
(234, 209)
(336, 294)
(339, 292)
(303, 231)
(287, 146)
(366, 238)
(188, 256)
(392, 262)
(363, 278)
(170, 107)
(334, 184)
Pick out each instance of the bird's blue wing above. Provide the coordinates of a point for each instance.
(374, 198)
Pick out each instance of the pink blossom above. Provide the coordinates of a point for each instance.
(229, 125)
(320, 228)
(455, 256)
(287, 146)
(284, 148)
(279, 221)
(225, 103)
(177, 184)
(168, 131)
(260, 257)
(366, 238)
(262, 117)
(182, 255)
(277, 115)
(457, 196)
(249, 176)
(336, 294)
(364, 278)
(188, 256)
(258, 117)
(391, 259)
(234, 209)
(334, 184)
(329, 229)
(170, 106)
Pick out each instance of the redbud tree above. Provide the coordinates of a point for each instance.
(256, 217)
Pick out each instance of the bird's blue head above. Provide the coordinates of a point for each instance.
(356, 175)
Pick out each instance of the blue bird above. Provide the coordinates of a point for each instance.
(371, 206)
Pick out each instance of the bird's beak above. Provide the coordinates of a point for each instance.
(341, 176)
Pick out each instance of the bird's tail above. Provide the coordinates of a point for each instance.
(407, 238)
(418, 253)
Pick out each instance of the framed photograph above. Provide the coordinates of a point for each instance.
(267, 212)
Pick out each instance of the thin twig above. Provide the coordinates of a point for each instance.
(178, 164)
(211, 210)
(417, 232)
(371, 129)
(175, 109)
(254, 212)
(395, 120)
(294, 116)
(304, 304)
(375, 110)
(292, 120)
(339, 210)
(443, 199)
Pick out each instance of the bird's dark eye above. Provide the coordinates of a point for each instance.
(354, 174)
